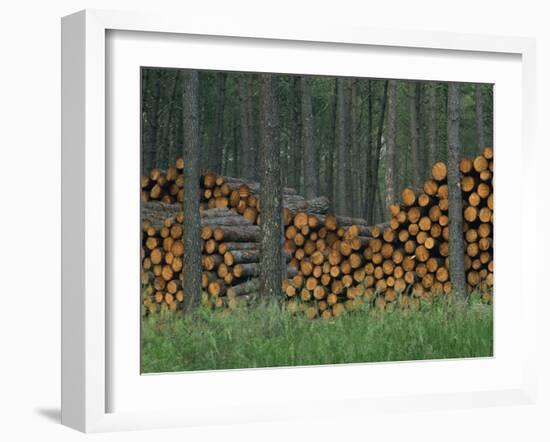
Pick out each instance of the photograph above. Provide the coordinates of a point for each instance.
(303, 220)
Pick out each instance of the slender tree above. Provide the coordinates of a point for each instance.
(480, 127)
(341, 200)
(413, 119)
(368, 154)
(331, 142)
(311, 170)
(295, 132)
(253, 153)
(191, 174)
(456, 245)
(375, 160)
(155, 77)
(390, 144)
(216, 152)
(270, 192)
(245, 146)
(168, 139)
(432, 124)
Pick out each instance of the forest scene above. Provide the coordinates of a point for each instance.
(304, 220)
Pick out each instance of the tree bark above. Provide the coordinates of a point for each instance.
(341, 200)
(253, 154)
(271, 271)
(456, 245)
(375, 160)
(390, 144)
(295, 130)
(217, 148)
(330, 154)
(168, 140)
(415, 157)
(311, 170)
(153, 119)
(245, 158)
(432, 125)
(191, 173)
(480, 127)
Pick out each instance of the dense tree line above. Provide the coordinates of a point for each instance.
(357, 141)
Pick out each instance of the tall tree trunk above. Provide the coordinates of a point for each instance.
(295, 156)
(155, 75)
(191, 174)
(456, 245)
(375, 162)
(432, 125)
(480, 127)
(343, 149)
(369, 154)
(331, 151)
(354, 143)
(390, 144)
(216, 153)
(168, 140)
(415, 157)
(270, 192)
(311, 170)
(348, 177)
(253, 151)
(244, 145)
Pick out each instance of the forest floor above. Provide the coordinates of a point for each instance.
(269, 336)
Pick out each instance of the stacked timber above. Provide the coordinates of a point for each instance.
(221, 192)
(335, 263)
(342, 262)
(230, 258)
(328, 257)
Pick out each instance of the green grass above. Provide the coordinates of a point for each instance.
(268, 336)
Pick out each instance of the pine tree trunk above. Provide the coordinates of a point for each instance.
(271, 192)
(253, 151)
(456, 245)
(311, 171)
(415, 157)
(375, 161)
(341, 201)
(191, 173)
(432, 124)
(246, 159)
(390, 145)
(295, 131)
(168, 141)
(217, 151)
(331, 150)
(480, 128)
(153, 120)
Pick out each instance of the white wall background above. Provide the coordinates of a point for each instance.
(30, 216)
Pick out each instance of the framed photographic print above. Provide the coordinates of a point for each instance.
(272, 221)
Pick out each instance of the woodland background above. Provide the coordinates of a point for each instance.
(333, 132)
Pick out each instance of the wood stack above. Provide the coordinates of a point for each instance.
(335, 263)
(230, 259)
(221, 192)
(342, 262)
(165, 186)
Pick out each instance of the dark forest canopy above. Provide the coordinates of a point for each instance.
(342, 121)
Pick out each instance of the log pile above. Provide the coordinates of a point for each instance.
(342, 263)
(218, 191)
(335, 263)
(229, 255)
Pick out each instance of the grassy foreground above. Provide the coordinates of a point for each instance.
(268, 336)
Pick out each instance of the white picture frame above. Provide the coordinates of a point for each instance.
(90, 337)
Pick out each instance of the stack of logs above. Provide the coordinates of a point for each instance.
(335, 263)
(230, 259)
(342, 263)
